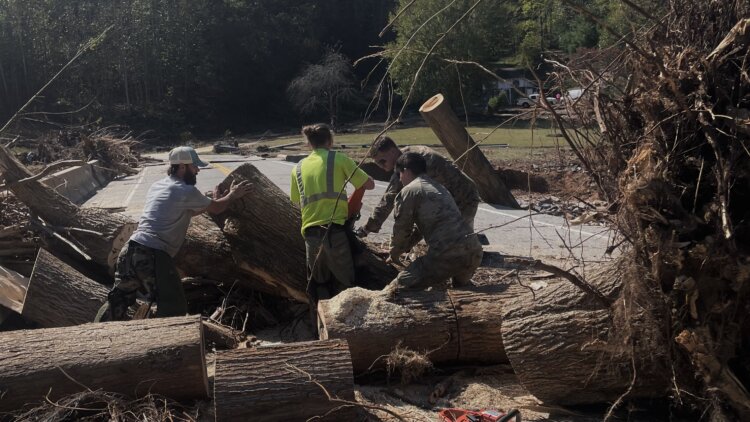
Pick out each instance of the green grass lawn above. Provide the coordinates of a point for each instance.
(485, 135)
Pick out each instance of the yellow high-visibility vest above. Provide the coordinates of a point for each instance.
(317, 185)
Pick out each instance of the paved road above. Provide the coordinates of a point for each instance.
(512, 232)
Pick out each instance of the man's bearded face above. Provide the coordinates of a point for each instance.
(190, 176)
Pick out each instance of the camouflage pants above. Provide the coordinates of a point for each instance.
(151, 273)
(468, 212)
(334, 266)
(436, 268)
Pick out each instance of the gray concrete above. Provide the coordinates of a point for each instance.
(79, 183)
(511, 232)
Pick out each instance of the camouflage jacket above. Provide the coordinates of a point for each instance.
(460, 186)
(428, 205)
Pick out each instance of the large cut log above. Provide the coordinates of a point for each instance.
(263, 230)
(135, 358)
(99, 234)
(454, 326)
(58, 296)
(284, 382)
(469, 158)
(562, 345)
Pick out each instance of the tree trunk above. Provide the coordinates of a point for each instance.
(263, 230)
(59, 296)
(443, 121)
(103, 234)
(135, 358)
(279, 382)
(454, 326)
(564, 348)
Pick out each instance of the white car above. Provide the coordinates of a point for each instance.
(532, 99)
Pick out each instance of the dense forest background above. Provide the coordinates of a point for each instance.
(209, 66)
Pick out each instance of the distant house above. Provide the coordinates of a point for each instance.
(513, 77)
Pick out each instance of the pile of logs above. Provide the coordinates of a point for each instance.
(556, 338)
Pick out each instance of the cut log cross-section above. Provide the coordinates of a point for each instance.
(438, 114)
(284, 382)
(59, 296)
(457, 326)
(99, 234)
(163, 356)
(12, 289)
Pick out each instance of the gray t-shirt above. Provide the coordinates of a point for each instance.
(170, 204)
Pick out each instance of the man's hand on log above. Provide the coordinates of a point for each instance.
(238, 190)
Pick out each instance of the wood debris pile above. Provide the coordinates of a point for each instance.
(667, 143)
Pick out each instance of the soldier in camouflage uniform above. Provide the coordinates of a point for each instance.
(453, 250)
(461, 187)
(145, 264)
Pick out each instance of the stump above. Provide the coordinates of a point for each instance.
(454, 326)
(277, 383)
(135, 358)
(438, 114)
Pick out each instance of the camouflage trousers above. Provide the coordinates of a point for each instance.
(151, 273)
(436, 268)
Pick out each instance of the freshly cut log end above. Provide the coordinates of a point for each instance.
(432, 103)
(12, 289)
(284, 382)
(449, 326)
(120, 238)
(59, 296)
(134, 358)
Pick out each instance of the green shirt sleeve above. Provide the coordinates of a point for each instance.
(294, 191)
(359, 177)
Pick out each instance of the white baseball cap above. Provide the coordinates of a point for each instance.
(185, 155)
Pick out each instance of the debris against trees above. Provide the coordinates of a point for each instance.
(285, 382)
(454, 326)
(166, 356)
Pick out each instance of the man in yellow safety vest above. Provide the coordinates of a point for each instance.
(317, 185)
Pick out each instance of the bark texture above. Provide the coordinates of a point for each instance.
(278, 383)
(454, 326)
(438, 114)
(103, 233)
(60, 296)
(135, 358)
(562, 345)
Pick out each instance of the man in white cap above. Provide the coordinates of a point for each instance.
(145, 263)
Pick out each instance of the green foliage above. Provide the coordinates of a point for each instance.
(323, 86)
(480, 36)
(500, 100)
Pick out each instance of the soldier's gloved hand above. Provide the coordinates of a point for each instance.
(394, 258)
(361, 231)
